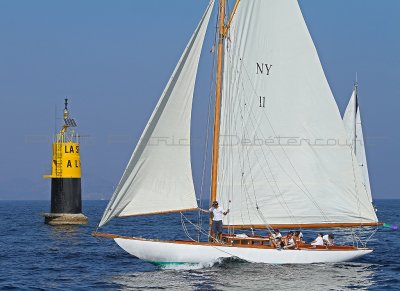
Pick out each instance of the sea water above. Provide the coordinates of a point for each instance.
(38, 256)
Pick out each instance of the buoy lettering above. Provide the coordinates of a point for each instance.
(71, 149)
(76, 164)
(77, 149)
(69, 164)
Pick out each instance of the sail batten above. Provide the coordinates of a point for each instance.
(158, 177)
(283, 153)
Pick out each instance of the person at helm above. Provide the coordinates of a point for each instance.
(217, 213)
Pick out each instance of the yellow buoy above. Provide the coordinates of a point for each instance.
(66, 198)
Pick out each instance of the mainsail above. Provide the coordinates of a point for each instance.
(158, 177)
(352, 123)
(283, 153)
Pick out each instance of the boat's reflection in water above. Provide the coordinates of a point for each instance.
(234, 274)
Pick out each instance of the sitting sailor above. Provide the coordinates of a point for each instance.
(298, 237)
(290, 243)
(318, 241)
(329, 239)
(276, 238)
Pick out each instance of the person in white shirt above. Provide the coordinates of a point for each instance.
(276, 238)
(329, 239)
(217, 212)
(318, 241)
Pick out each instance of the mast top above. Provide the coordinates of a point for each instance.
(356, 81)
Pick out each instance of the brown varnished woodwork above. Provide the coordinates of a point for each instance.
(231, 18)
(217, 110)
(249, 244)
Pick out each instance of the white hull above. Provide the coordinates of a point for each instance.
(163, 252)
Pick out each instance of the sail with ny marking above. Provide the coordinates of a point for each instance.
(352, 123)
(283, 153)
(158, 177)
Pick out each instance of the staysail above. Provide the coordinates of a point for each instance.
(158, 177)
(352, 123)
(283, 154)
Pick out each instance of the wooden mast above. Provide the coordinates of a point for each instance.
(223, 31)
(217, 111)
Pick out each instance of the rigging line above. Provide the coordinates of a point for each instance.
(359, 202)
(355, 186)
(246, 149)
(363, 157)
(287, 157)
(279, 197)
(242, 164)
(223, 175)
(249, 166)
(185, 229)
(268, 164)
(233, 132)
(194, 225)
(227, 151)
(352, 150)
(206, 145)
(203, 231)
(266, 160)
(230, 115)
(356, 238)
(268, 226)
(242, 169)
(226, 131)
(372, 234)
(239, 156)
(247, 196)
(231, 120)
(247, 154)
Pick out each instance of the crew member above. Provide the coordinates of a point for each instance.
(217, 211)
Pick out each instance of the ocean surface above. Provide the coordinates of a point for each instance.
(42, 257)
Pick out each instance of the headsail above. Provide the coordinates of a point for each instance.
(352, 123)
(283, 154)
(158, 177)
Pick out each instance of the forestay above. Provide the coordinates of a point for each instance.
(158, 177)
(283, 152)
(352, 123)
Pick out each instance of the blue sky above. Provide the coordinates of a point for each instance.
(112, 59)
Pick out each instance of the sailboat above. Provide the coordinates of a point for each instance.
(279, 156)
(352, 123)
